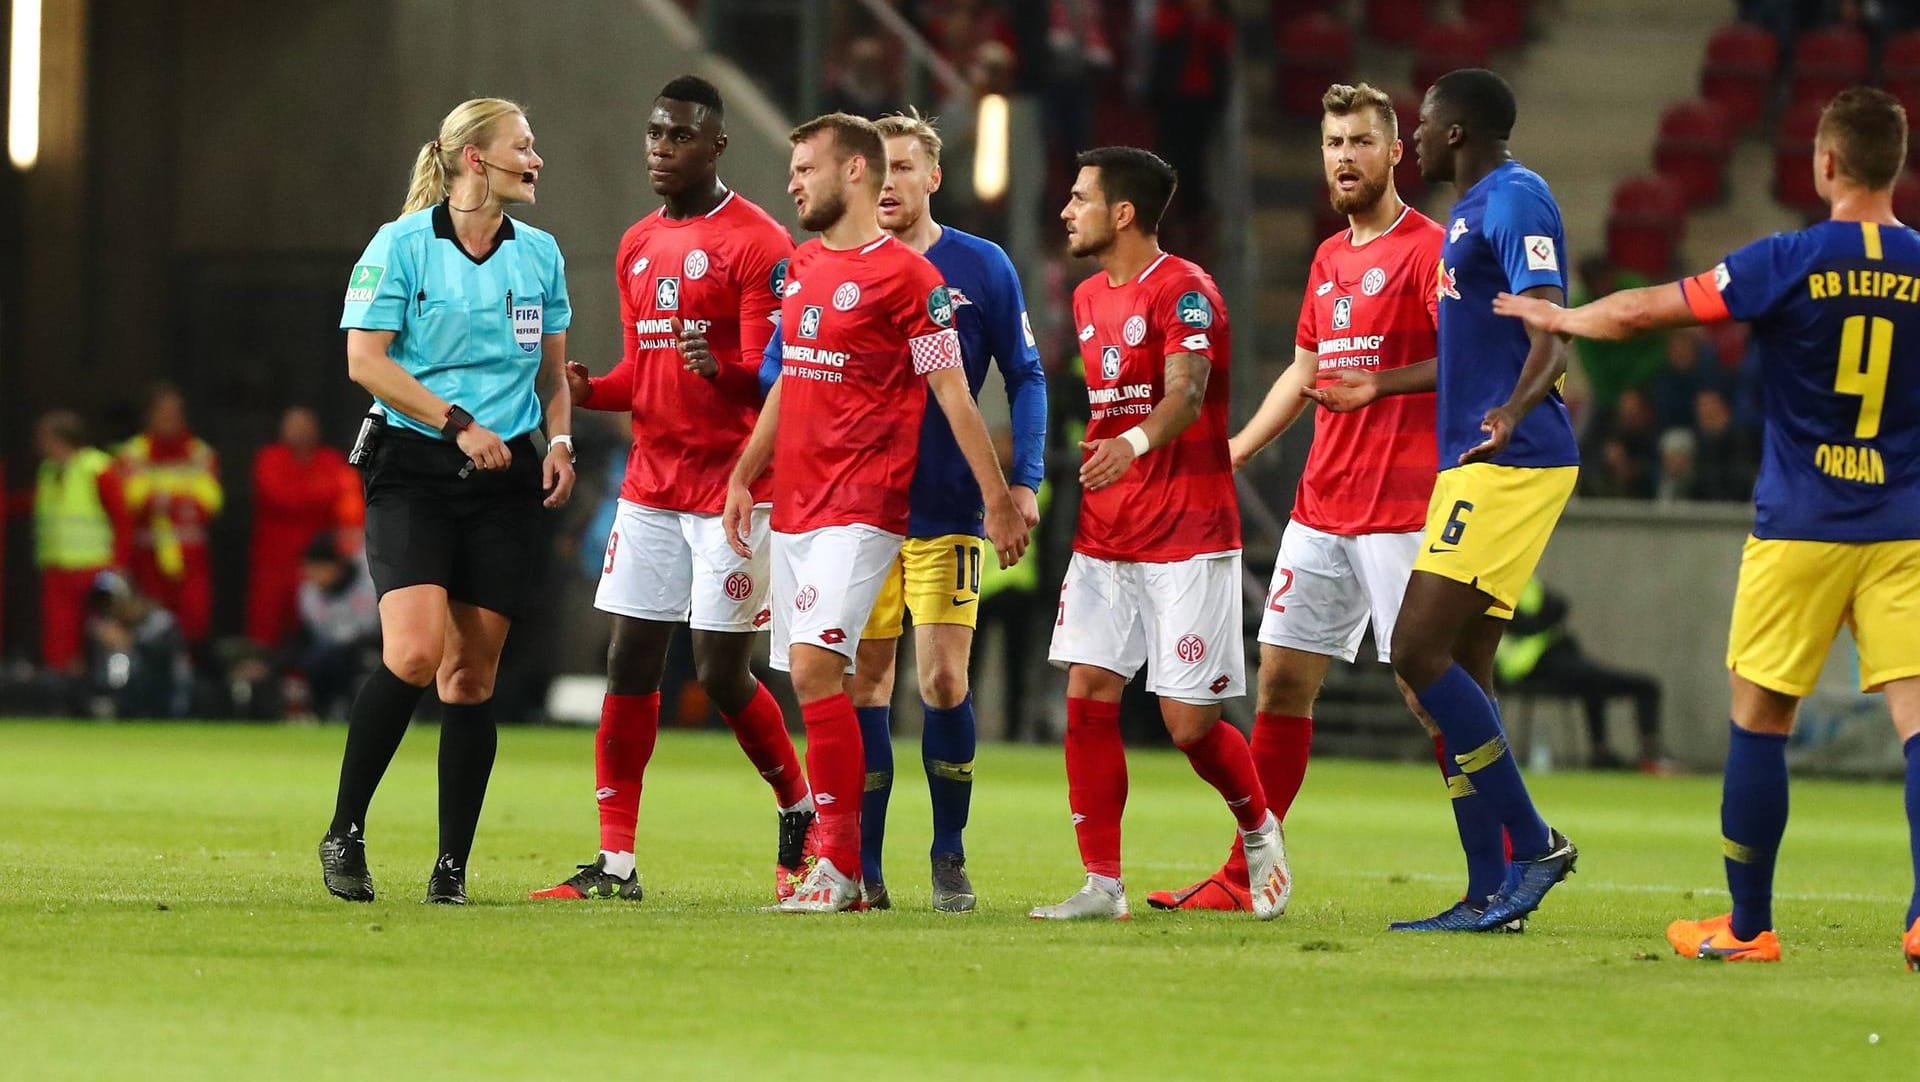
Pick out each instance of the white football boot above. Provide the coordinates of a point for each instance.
(1267, 874)
(1101, 899)
(825, 891)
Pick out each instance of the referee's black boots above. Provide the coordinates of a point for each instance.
(448, 884)
(343, 863)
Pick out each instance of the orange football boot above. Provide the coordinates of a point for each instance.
(1713, 940)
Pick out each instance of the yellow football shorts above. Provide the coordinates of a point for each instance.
(1794, 595)
(1488, 525)
(936, 578)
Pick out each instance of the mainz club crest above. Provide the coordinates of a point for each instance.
(1190, 648)
(1135, 331)
(846, 296)
(696, 264)
(739, 585)
(808, 595)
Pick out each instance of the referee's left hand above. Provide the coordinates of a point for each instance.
(556, 475)
(696, 355)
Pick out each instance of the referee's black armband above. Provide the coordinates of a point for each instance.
(458, 421)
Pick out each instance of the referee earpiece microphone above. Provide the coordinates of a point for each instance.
(526, 177)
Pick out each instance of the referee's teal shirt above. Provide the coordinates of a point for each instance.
(468, 329)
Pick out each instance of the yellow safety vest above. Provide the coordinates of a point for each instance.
(72, 530)
(1517, 655)
(192, 479)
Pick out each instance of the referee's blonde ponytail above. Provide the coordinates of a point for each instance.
(471, 122)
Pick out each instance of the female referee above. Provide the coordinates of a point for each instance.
(456, 321)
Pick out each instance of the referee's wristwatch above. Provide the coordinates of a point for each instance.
(562, 440)
(458, 421)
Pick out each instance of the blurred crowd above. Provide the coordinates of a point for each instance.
(1668, 416)
(120, 538)
(1786, 18)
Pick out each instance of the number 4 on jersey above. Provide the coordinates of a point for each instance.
(1865, 356)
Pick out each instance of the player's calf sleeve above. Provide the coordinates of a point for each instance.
(947, 743)
(1281, 744)
(836, 768)
(1913, 824)
(876, 746)
(1753, 818)
(468, 740)
(761, 729)
(629, 727)
(1222, 760)
(1096, 782)
(376, 723)
(1482, 839)
(1471, 726)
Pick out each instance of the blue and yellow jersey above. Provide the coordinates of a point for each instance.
(990, 314)
(1835, 313)
(468, 329)
(1505, 236)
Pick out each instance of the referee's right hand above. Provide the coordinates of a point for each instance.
(486, 450)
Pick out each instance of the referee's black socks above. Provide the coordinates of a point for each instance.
(375, 725)
(467, 742)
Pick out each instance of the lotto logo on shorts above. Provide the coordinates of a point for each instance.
(762, 618)
(1190, 648)
(833, 636)
(739, 585)
(1219, 684)
(804, 602)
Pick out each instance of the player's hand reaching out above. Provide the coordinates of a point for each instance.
(1355, 389)
(577, 386)
(1533, 311)
(737, 520)
(1007, 530)
(696, 355)
(1498, 424)
(1106, 463)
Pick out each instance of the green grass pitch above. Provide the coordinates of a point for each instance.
(161, 917)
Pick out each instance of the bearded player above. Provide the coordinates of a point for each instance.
(937, 575)
(698, 282)
(869, 335)
(1155, 575)
(1362, 503)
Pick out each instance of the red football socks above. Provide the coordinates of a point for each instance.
(1096, 782)
(837, 767)
(629, 725)
(1281, 744)
(1221, 758)
(762, 732)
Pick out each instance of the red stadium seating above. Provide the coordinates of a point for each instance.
(1504, 22)
(1900, 74)
(1315, 50)
(1645, 224)
(1742, 61)
(1694, 143)
(1444, 47)
(1396, 21)
(1906, 199)
(1793, 159)
(1827, 61)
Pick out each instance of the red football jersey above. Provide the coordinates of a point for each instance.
(859, 328)
(1175, 501)
(720, 273)
(1373, 307)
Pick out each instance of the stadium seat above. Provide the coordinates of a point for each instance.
(1827, 61)
(1645, 223)
(1906, 199)
(1395, 21)
(1900, 74)
(1694, 143)
(1741, 63)
(1504, 22)
(1314, 51)
(1793, 159)
(1444, 47)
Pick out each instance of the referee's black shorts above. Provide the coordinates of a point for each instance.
(477, 536)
